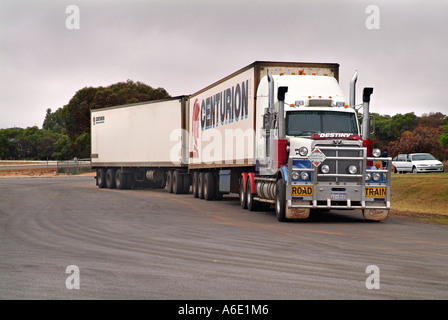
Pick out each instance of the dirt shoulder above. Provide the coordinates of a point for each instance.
(420, 216)
(35, 172)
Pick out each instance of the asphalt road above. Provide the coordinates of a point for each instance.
(148, 244)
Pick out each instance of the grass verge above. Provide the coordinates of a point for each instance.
(422, 196)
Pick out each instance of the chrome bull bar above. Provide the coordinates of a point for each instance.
(355, 190)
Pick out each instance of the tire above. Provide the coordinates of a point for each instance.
(101, 178)
(130, 180)
(209, 186)
(178, 182)
(110, 178)
(195, 184)
(243, 199)
(169, 181)
(161, 184)
(280, 201)
(201, 185)
(187, 183)
(252, 205)
(120, 180)
(218, 194)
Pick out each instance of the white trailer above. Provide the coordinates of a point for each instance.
(225, 125)
(136, 144)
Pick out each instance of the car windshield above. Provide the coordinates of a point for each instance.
(419, 157)
(306, 123)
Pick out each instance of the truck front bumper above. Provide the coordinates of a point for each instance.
(373, 198)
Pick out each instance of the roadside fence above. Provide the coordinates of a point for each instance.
(74, 166)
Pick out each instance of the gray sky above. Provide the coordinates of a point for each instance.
(183, 46)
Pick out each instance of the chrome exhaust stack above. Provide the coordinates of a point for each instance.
(353, 90)
(365, 113)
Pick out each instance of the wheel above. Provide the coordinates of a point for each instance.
(209, 186)
(187, 183)
(162, 183)
(243, 200)
(120, 180)
(101, 178)
(201, 185)
(169, 181)
(218, 194)
(252, 205)
(195, 184)
(280, 200)
(178, 182)
(110, 178)
(130, 180)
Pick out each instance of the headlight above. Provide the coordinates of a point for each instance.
(295, 175)
(368, 177)
(303, 151)
(325, 168)
(304, 176)
(376, 176)
(352, 169)
(376, 153)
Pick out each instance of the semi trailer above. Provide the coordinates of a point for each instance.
(275, 133)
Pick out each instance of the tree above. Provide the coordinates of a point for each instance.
(443, 138)
(45, 144)
(62, 148)
(54, 121)
(422, 139)
(388, 128)
(433, 119)
(9, 141)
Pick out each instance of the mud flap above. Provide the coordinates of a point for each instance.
(297, 213)
(375, 214)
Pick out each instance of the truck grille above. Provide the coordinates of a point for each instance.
(340, 166)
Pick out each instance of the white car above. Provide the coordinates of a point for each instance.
(416, 162)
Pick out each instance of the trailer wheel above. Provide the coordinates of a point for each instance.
(201, 185)
(218, 194)
(120, 179)
(187, 183)
(243, 199)
(195, 184)
(209, 186)
(280, 201)
(101, 178)
(161, 184)
(110, 178)
(169, 181)
(252, 204)
(178, 182)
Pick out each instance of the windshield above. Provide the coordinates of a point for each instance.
(306, 123)
(418, 157)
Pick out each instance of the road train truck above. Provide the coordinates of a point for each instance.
(278, 134)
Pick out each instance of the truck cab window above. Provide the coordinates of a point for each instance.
(306, 123)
